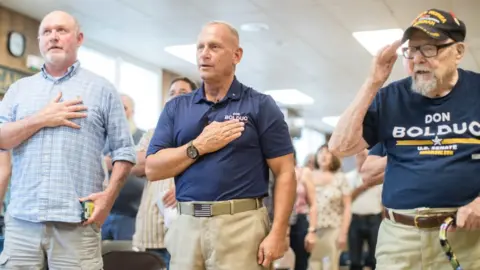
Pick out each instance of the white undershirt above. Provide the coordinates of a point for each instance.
(368, 202)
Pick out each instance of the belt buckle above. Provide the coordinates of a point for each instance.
(415, 219)
(202, 210)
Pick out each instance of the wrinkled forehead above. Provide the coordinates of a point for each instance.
(57, 20)
(217, 33)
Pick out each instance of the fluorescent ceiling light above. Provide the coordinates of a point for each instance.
(290, 97)
(331, 120)
(184, 52)
(373, 41)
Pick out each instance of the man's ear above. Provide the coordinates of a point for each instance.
(460, 49)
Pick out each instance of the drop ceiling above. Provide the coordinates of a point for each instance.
(309, 45)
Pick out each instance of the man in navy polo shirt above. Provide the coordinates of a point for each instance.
(429, 124)
(219, 143)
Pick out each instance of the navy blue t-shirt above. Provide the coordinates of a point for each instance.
(432, 144)
(239, 170)
(378, 150)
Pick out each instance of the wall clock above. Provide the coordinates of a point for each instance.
(16, 44)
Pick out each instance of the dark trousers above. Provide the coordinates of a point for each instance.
(363, 228)
(118, 227)
(298, 231)
(163, 253)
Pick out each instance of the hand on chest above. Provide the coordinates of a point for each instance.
(29, 104)
(190, 125)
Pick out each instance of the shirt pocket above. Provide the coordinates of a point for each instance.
(93, 122)
(24, 111)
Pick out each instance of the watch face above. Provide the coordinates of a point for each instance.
(192, 152)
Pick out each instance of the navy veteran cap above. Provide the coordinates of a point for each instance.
(438, 24)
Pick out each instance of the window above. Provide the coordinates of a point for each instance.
(98, 63)
(307, 144)
(143, 86)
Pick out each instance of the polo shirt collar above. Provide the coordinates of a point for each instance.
(70, 72)
(234, 92)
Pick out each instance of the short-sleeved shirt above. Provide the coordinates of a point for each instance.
(239, 170)
(432, 144)
(378, 150)
(330, 204)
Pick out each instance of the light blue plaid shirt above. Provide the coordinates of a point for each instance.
(57, 166)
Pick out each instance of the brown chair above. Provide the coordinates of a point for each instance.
(132, 260)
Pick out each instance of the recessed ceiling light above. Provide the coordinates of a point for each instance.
(254, 27)
(184, 52)
(331, 120)
(375, 40)
(290, 97)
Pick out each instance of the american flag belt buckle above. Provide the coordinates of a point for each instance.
(202, 210)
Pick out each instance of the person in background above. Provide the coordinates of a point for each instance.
(56, 123)
(120, 224)
(149, 231)
(366, 216)
(333, 195)
(5, 174)
(219, 143)
(302, 232)
(310, 161)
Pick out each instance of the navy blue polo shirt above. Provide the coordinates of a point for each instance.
(239, 170)
(432, 144)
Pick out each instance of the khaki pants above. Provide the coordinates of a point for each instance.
(401, 247)
(325, 247)
(64, 246)
(223, 242)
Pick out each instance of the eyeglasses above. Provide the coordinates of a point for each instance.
(427, 50)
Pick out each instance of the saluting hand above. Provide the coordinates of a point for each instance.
(384, 61)
(58, 113)
(217, 135)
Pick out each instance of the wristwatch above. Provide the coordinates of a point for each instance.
(192, 151)
(312, 230)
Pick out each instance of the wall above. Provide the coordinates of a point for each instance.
(167, 77)
(12, 68)
(12, 21)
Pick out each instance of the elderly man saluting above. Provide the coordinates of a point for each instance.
(429, 124)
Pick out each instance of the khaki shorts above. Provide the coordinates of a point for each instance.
(63, 246)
